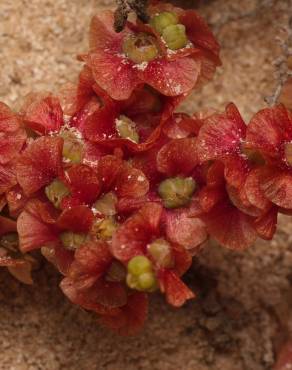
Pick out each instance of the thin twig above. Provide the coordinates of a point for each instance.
(283, 71)
(125, 7)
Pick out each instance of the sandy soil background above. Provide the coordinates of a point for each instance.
(235, 324)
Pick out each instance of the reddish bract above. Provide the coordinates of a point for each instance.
(33, 233)
(7, 225)
(175, 290)
(221, 138)
(12, 140)
(178, 156)
(16, 200)
(133, 238)
(42, 113)
(39, 164)
(234, 230)
(130, 318)
(226, 217)
(40, 224)
(83, 183)
(7, 177)
(75, 97)
(85, 282)
(78, 219)
(177, 75)
(148, 110)
(187, 231)
(118, 176)
(12, 136)
(269, 132)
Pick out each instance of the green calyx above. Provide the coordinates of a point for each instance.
(56, 191)
(73, 241)
(172, 32)
(139, 264)
(160, 251)
(175, 36)
(177, 191)
(140, 48)
(106, 205)
(140, 274)
(162, 20)
(127, 129)
(72, 147)
(105, 228)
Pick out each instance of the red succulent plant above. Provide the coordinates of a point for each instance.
(117, 190)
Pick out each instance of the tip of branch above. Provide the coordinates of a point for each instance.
(120, 21)
(124, 8)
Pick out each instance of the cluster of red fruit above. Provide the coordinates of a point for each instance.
(117, 190)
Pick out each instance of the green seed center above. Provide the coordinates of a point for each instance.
(175, 36)
(140, 274)
(140, 48)
(172, 32)
(160, 250)
(162, 20)
(73, 241)
(106, 205)
(105, 228)
(176, 191)
(127, 129)
(56, 191)
(72, 147)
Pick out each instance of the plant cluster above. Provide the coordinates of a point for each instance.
(117, 189)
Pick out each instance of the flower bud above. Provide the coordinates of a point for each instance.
(176, 191)
(175, 36)
(132, 281)
(139, 264)
(72, 241)
(56, 191)
(162, 20)
(72, 147)
(161, 252)
(106, 205)
(127, 129)
(104, 229)
(147, 281)
(140, 48)
(141, 275)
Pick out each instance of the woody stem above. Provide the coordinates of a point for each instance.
(124, 7)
